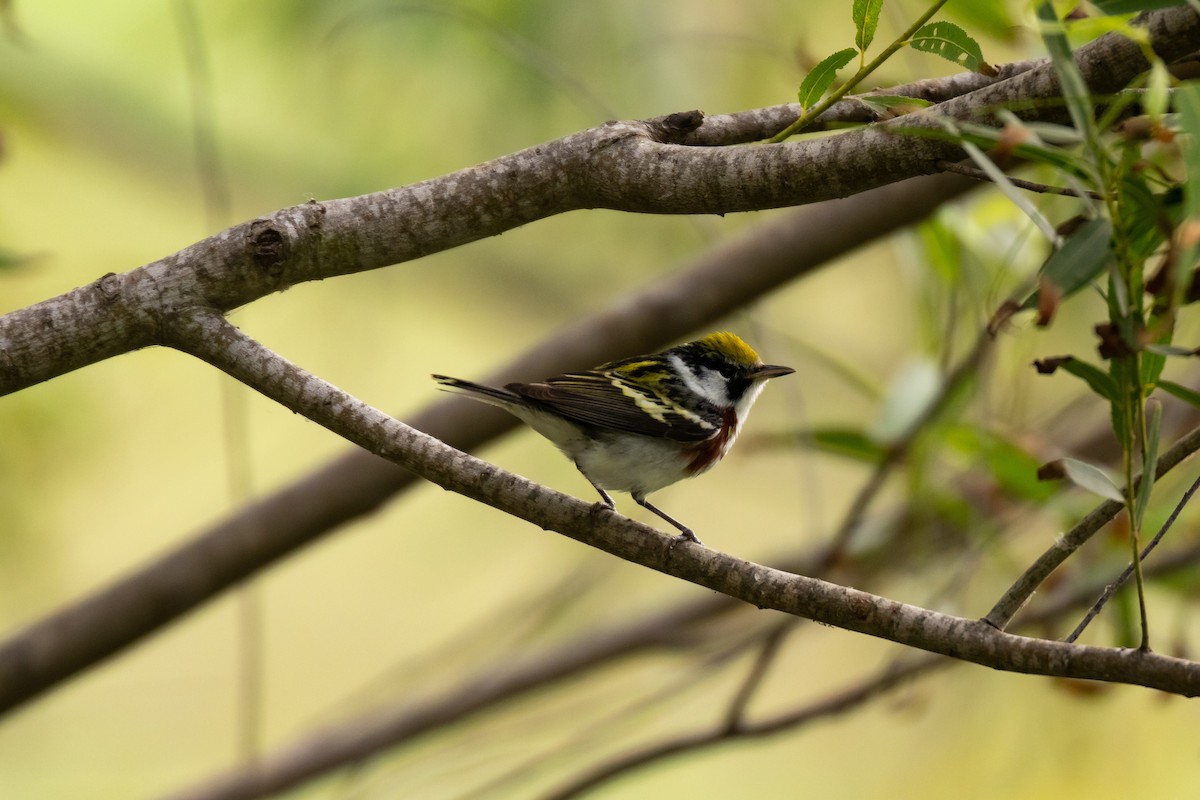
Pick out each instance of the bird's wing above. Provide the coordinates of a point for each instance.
(603, 399)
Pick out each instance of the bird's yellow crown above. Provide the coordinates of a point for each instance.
(731, 346)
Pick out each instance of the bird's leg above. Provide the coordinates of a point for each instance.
(685, 533)
(605, 496)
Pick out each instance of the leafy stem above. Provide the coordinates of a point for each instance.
(863, 72)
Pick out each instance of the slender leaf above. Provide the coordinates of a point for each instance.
(1149, 463)
(1187, 103)
(891, 103)
(952, 43)
(994, 20)
(1030, 149)
(1172, 350)
(818, 81)
(1133, 6)
(851, 443)
(866, 18)
(1158, 91)
(1012, 468)
(1189, 396)
(1015, 195)
(1152, 367)
(1083, 475)
(1075, 91)
(1081, 259)
(1097, 379)
(909, 394)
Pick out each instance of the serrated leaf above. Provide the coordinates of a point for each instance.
(866, 18)
(1083, 475)
(952, 43)
(818, 81)
(1189, 396)
(1081, 259)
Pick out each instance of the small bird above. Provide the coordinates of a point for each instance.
(642, 423)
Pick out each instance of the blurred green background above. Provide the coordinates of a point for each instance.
(107, 467)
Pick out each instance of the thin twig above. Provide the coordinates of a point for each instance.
(894, 454)
(890, 677)
(1019, 593)
(978, 174)
(1116, 585)
(768, 650)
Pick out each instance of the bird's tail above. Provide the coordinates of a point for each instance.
(488, 394)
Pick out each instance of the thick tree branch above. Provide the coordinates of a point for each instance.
(207, 335)
(353, 741)
(104, 623)
(628, 166)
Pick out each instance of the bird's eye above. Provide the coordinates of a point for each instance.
(728, 371)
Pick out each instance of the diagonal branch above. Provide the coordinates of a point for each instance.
(1019, 593)
(355, 740)
(97, 626)
(207, 335)
(628, 166)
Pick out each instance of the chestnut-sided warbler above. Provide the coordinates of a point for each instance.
(642, 423)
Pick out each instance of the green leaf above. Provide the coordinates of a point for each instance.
(848, 442)
(891, 103)
(1013, 469)
(998, 21)
(1187, 103)
(1133, 6)
(1172, 350)
(1149, 463)
(1189, 396)
(941, 249)
(1016, 196)
(1085, 476)
(989, 137)
(1081, 259)
(911, 391)
(952, 43)
(1075, 91)
(818, 81)
(1097, 379)
(866, 18)
(1158, 91)
(9, 258)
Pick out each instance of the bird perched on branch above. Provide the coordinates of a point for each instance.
(642, 423)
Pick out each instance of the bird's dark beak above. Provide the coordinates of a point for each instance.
(768, 371)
